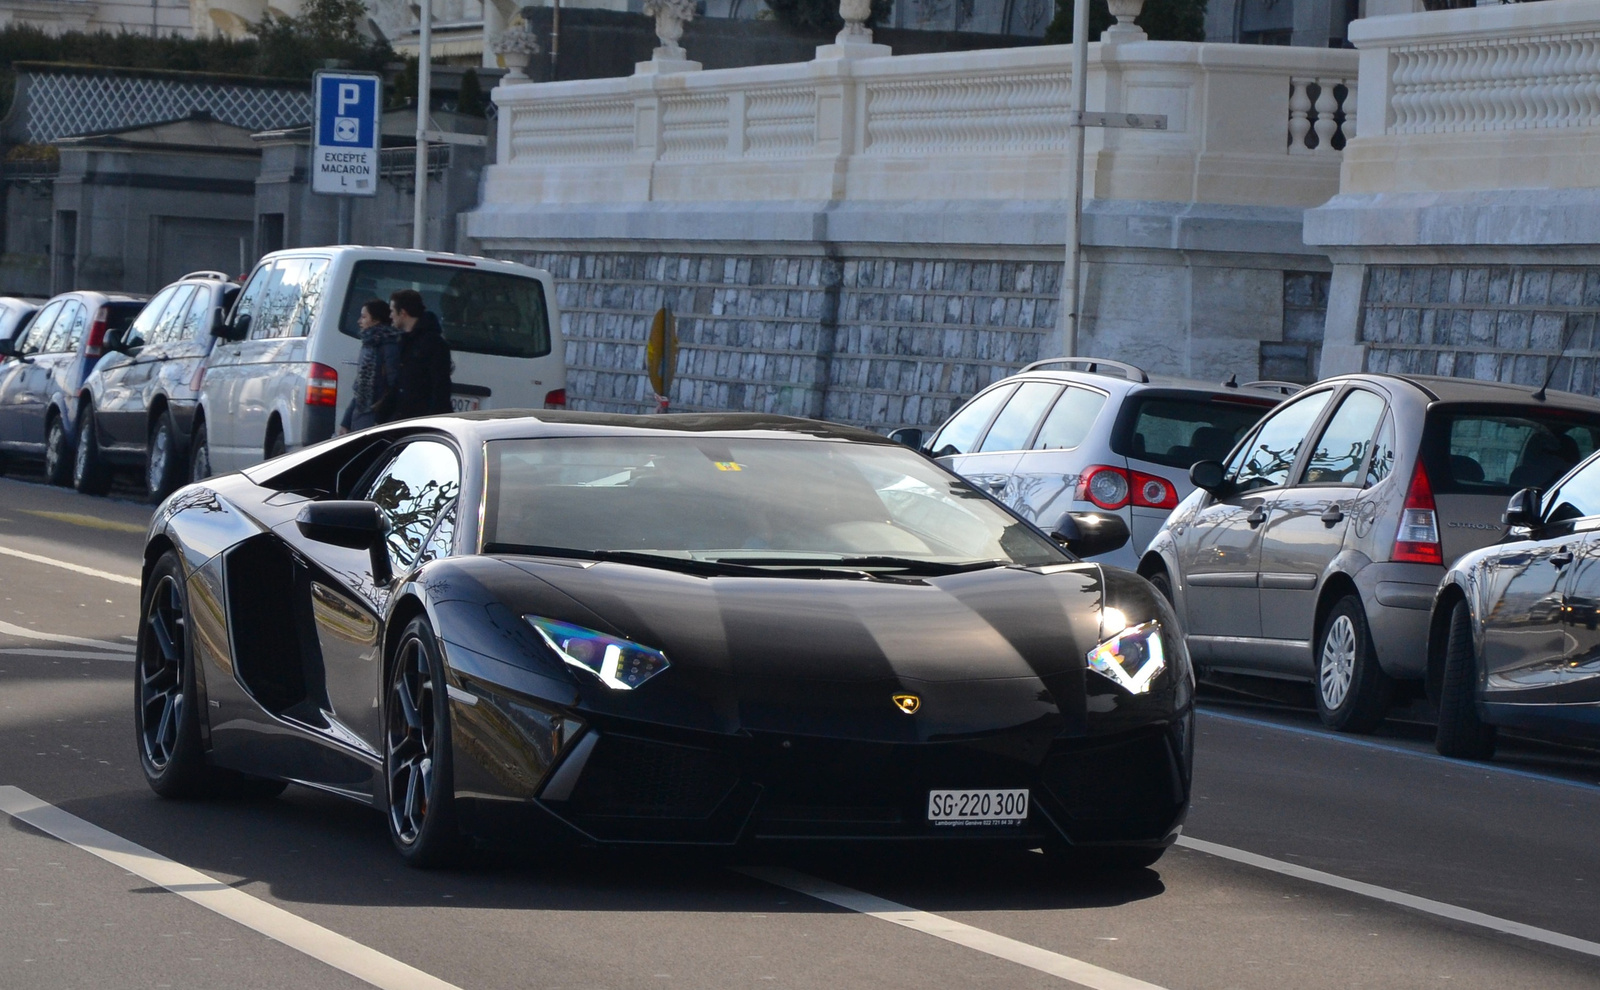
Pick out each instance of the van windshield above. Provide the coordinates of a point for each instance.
(480, 311)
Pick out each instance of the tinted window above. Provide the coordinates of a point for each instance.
(481, 311)
(283, 298)
(1273, 449)
(61, 332)
(168, 326)
(1014, 426)
(1179, 430)
(413, 489)
(1341, 451)
(40, 328)
(1070, 419)
(960, 435)
(1578, 497)
(1484, 450)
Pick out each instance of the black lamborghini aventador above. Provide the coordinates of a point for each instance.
(667, 629)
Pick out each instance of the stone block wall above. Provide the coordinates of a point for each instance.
(867, 340)
(1510, 323)
(1305, 308)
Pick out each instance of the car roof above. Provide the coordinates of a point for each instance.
(110, 297)
(1442, 389)
(366, 252)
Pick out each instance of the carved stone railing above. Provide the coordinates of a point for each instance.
(1246, 125)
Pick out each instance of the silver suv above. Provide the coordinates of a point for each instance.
(1087, 443)
(1319, 560)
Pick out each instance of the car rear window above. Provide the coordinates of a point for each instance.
(120, 315)
(480, 311)
(1176, 430)
(1496, 450)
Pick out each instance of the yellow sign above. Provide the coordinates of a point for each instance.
(728, 466)
(661, 351)
(908, 703)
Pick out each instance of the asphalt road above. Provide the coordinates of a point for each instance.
(1380, 820)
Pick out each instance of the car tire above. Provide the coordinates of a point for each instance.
(57, 453)
(275, 447)
(199, 454)
(91, 475)
(1163, 584)
(419, 789)
(1353, 693)
(162, 465)
(166, 709)
(1462, 732)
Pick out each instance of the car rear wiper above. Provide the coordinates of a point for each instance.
(910, 564)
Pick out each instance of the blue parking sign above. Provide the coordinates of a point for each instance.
(344, 156)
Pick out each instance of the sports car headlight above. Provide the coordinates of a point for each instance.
(619, 663)
(1132, 658)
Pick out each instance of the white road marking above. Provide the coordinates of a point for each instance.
(270, 920)
(1053, 963)
(1436, 908)
(23, 632)
(64, 654)
(75, 568)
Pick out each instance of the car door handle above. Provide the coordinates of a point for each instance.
(997, 486)
(1257, 517)
(1333, 515)
(1561, 558)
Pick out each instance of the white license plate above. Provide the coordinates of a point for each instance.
(988, 807)
(464, 403)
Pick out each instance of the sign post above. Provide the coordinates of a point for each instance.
(345, 137)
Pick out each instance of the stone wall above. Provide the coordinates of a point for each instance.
(1501, 323)
(868, 340)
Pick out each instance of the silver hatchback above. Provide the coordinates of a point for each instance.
(1318, 558)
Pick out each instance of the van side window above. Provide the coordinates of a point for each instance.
(289, 298)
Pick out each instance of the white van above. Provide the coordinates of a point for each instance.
(284, 364)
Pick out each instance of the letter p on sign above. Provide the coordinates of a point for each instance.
(348, 93)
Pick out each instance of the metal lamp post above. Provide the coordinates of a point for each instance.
(419, 214)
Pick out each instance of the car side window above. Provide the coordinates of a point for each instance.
(1578, 497)
(1070, 419)
(1014, 426)
(61, 332)
(1382, 464)
(143, 326)
(1341, 452)
(414, 488)
(172, 316)
(197, 319)
(78, 330)
(965, 428)
(1266, 460)
(40, 329)
(443, 538)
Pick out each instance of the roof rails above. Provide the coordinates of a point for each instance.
(1092, 366)
(218, 276)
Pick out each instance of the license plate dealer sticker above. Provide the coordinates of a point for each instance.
(464, 403)
(987, 807)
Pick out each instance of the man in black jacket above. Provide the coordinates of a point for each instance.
(424, 381)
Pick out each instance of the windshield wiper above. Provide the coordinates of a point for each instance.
(909, 564)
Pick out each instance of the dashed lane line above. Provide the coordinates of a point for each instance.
(1399, 898)
(23, 632)
(75, 568)
(1043, 960)
(319, 943)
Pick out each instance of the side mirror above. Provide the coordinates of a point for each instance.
(1090, 534)
(1523, 510)
(911, 436)
(1210, 476)
(353, 524)
(239, 330)
(114, 341)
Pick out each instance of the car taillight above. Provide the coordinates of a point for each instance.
(556, 398)
(1417, 542)
(322, 386)
(97, 333)
(1112, 488)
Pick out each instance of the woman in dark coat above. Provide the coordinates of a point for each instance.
(377, 372)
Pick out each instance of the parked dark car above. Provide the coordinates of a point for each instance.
(137, 407)
(1516, 626)
(1315, 549)
(15, 311)
(39, 386)
(615, 630)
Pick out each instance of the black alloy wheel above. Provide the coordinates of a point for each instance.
(1462, 732)
(91, 475)
(416, 758)
(166, 711)
(1353, 693)
(162, 463)
(200, 454)
(57, 453)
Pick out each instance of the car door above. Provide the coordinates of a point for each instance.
(54, 370)
(1045, 479)
(1306, 525)
(22, 383)
(174, 377)
(415, 487)
(1219, 550)
(957, 442)
(1000, 451)
(120, 408)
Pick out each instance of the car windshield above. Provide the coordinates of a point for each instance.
(1178, 430)
(756, 501)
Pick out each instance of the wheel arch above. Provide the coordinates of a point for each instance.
(1444, 603)
(406, 607)
(1335, 587)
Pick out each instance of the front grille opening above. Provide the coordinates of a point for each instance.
(636, 778)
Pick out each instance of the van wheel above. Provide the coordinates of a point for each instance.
(1462, 733)
(1353, 693)
(57, 453)
(162, 465)
(91, 475)
(275, 446)
(199, 455)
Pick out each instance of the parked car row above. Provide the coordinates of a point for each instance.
(1353, 535)
(210, 375)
